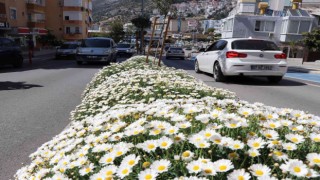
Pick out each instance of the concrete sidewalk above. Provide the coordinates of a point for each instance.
(295, 64)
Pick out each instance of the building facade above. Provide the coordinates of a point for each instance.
(271, 19)
(66, 19)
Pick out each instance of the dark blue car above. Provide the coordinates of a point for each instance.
(10, 53)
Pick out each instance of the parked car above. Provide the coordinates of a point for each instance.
(67, 49)
(124, 49)
(175, 52)
(97, 49)
(247, 57)
(10, 53)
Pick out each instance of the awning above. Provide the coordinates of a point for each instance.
(23, 30)
(43, 31)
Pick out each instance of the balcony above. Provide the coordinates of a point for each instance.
(35, 6)
(38, 24)
(73, 22)
(73, 36)
(3, 17)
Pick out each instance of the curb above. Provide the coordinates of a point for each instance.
(303, 70)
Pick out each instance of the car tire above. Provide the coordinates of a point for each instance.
(274, 79)
(19, 62)
(196, 67)
(79, 62)
(217, 73)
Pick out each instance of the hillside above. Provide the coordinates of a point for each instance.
(127, 9)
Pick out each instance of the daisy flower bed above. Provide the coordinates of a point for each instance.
(139, 121)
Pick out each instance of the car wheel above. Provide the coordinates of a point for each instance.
(196, 67)
(19, 61)
(217, 73)
(274, 79)
(79, 62)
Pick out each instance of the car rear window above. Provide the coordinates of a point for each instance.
(69, 46)
(98, 43)
(254, 45)
(176, 49)
(123, 45)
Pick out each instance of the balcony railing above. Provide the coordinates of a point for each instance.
(36, 2)
(39, 24)
(73, 36)
(35, 6)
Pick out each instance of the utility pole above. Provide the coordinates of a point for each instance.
(141, 32)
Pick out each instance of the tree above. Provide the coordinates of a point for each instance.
(116, 31)
(141, 22)
(312, 40)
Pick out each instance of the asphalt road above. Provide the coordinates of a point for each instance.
(292, 92)
(36, 102)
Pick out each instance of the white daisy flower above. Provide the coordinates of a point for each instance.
(149, 145)
(107, 158)
(109, 170)
(279, 156)
(260, 170)
(208, 169)
(179, 137)
(295, 138)
(87, 169)
(123, 171)
(194, 167)
(160, 166)
(289, 146)
(314, 159)
(98, 176)
(253, 153)
(187, 155)
(295, 167)
(239, 174)
(148, 174)
(272, 124)
(270, 134)
(130, 160)
(223, 165)
(171, 130)
(245, 111)
(235, 145)
(315, 137)
(165, 142)
(256, 143)
(312, 174)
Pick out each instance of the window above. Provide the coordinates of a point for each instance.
(212, 47)
(77, 30)
(103, 43)
(293, 27)
(68, 31)
(254, 45)
(304, 26)
(221, 44)
(13, 13)
(6, 43)
(67, 18)
(264, 26)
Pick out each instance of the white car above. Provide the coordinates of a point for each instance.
(243, 57)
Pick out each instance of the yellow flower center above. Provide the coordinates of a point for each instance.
(196, 168)
(272, 125)
(275, 142)
(295, 140)
(131, 162)
(297, 169)
(171, 131)
(236, 146)
(208, 135)
(316, 160)
(157, 131)
(218, 141)
(256, 144)
(164, 144)
(269, 136)
(241, 178)
(245, 113)
(119, 153)
(161, 168)
(233, 125)
(202, 145)
(87, 170)
(146, 164)
(270, 116)
(186, 154)
(109, 160)
(208, 171)
(125, 171)
(222, 167)
(151, 146)
(259, 173)
(177, 138)
(316, 139)
(99, 178)
(109, 173)
(278, 153)
(253, 154)
(148, 176)
(136, 132)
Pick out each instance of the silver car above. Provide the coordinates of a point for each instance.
(175, 52)
(67, 49)
(97, 49)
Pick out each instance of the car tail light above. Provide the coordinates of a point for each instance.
(234, 54)
(280, 56)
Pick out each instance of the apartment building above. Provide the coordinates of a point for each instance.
(66, 19)
(69, 20)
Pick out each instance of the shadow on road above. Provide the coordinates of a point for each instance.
(8, 85)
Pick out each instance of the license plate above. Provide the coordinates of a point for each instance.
(261, 67)
(92, 57)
